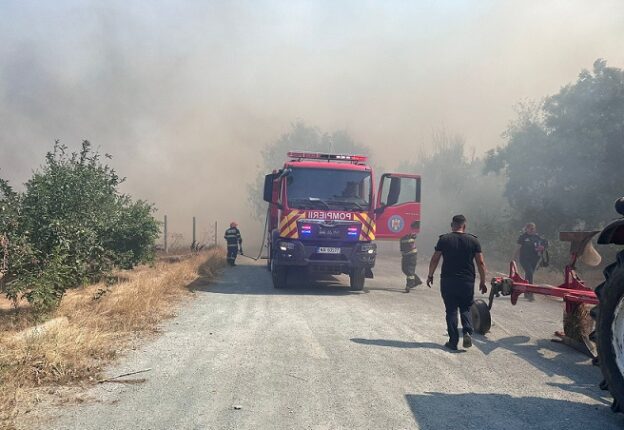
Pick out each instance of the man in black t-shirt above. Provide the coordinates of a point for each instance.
(458, 250)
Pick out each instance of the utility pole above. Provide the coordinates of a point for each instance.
(165, 236)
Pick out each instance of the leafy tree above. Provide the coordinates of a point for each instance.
(563, 158)
(304, 138)
(70, 226)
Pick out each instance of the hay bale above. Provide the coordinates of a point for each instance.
(578, 324)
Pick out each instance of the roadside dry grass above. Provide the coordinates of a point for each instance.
(89, 329)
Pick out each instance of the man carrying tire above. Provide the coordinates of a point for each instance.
(458, 250)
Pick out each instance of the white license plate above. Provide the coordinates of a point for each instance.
(326, 250)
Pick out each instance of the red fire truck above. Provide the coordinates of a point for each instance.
(324, 215)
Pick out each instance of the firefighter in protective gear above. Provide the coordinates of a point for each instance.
(408, 258)
(234, 243)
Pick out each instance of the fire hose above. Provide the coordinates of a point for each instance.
(266, 222)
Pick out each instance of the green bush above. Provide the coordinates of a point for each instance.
(70, 226)
(563, 157)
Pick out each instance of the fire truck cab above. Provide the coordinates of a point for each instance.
(324, 215)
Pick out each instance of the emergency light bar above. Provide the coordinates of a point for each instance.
(327, 156)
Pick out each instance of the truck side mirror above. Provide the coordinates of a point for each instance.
(268, 187)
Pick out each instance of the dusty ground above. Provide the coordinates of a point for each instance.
(316, 356)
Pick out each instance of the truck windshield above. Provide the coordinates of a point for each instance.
(329, 189)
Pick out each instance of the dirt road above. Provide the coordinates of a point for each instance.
(246, 356)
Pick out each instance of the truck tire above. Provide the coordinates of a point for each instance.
(357, 277)
(609, 334)
(279, 274)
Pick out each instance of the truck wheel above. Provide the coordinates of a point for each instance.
(356, 279)
(481, 318)
(269, 259)
(279, 274)
(610, 331)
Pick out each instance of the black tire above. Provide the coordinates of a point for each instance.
(279, 274)
(611, 296)
(357, 278)
(269, 255)
(481, 317)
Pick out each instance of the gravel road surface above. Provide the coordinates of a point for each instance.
(316, 356)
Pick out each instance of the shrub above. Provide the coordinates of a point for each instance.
(70, 226)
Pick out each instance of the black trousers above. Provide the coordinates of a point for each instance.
(232, 252)
(457, 294)
(408, 266)
(529, 269)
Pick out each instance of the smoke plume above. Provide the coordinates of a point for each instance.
(185, 94)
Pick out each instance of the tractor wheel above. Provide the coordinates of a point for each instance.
(279, 274)
(357, 278)
(481, 318)
(610, 331)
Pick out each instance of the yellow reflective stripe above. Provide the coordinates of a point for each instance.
(286, 219)
(290, 228)
(371, 232)
(367, 231)
(290, 223)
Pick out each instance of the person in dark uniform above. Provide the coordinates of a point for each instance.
(458, 250)
(409, 255)
(234, 243)
(530, 249)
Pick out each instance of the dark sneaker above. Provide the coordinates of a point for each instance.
(451, 347)
(407, 288)
(467, 343)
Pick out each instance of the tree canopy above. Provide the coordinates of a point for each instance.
(564, 157)
(70, 226)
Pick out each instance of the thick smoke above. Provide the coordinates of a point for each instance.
(185, 94)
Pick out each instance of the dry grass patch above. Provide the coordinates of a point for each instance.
(90, 328)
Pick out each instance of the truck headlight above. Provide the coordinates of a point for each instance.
(368, 248)
(286, 246)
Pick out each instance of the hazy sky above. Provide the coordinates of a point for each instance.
(184, 94)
